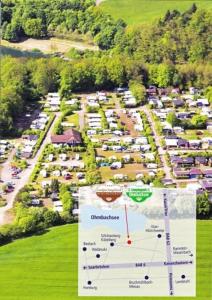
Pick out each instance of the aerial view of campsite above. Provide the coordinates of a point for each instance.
(105, 149)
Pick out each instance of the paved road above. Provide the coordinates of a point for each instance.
(81, 114)
(157, 138)
(24, 176)
(168, 243)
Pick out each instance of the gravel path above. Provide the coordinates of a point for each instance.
(98, 2)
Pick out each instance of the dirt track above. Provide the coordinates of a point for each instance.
(98, 2)
(50, 46)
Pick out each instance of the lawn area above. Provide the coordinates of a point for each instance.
(131, 170)
(192, 134)
(73, 119)
(119, 155)
(146, 11)
(45, 267)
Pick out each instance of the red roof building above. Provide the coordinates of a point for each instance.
(69, 137)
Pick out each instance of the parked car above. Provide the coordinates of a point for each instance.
(68, 176)
(116, 165)
(80, 175)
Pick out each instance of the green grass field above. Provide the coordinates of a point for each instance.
(146, 11)
(19, 53)
(45, 267)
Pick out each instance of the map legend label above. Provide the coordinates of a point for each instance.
(137, 241)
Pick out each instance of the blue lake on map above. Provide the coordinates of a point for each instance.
(136, 221)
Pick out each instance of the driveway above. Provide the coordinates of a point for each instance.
(98, 2)
(24, 175)
(157, 138)
(81, 114)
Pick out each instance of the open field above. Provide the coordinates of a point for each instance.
(146, 11)
(73, 119)
(51, 45)
(192, 134)
(131, 170)
(15, 52)
(45, 267)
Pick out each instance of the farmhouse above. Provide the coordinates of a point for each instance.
(70, 137)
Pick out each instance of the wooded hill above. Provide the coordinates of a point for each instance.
(175, 51)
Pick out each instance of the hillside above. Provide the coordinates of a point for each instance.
(45, 266)
(146, 11)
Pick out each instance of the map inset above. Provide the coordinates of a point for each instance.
(136, 240)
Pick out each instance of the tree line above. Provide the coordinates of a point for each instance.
(177, 37)
(25, 80)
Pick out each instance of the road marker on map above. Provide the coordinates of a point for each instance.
(129, 242)
(113, 261)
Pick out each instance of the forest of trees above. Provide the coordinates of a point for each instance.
(46, 18)
(177, 38)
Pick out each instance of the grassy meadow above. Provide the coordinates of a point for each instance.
(146, 11)
(45, 267)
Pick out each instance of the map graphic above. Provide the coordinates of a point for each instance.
(137, 240)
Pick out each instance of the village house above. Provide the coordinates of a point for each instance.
(70, 137)
(183, 115)
(43, 173)
(120, 177)
(195, 173)
(53, 101)
(202, 102)
(171, 141)
(72, 101)
(181, 174)
(155, 102)
(102, 96)
(178, 103)
(193, 90)
(201, 161)
(93, 101)
(182, 161)
(94, 120)
(152, 90)
(207, 185)
(195, 144)
(207, 173)
(178, 129)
